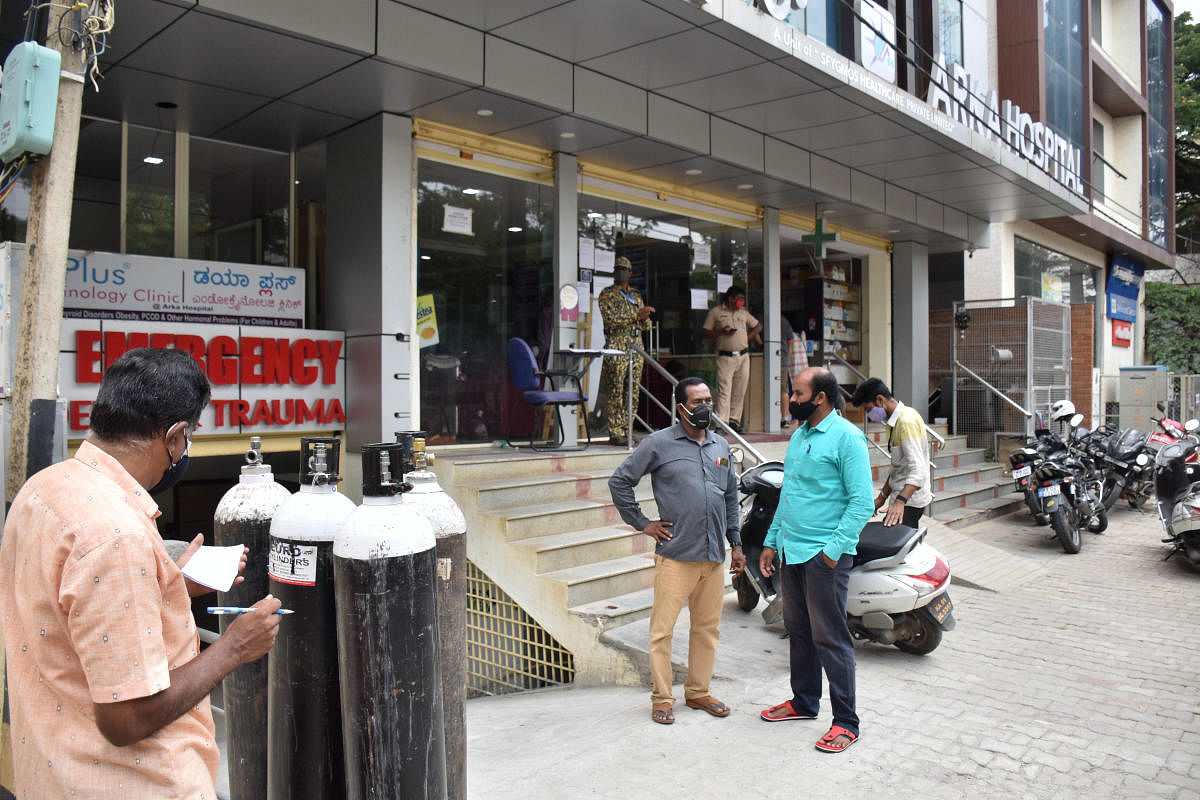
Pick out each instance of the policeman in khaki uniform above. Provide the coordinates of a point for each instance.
(625, 315)
(733, 327)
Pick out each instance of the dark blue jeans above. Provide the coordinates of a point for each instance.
(814, 611)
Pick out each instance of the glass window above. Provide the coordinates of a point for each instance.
(238, 203)
(1098, 159)
(150, 202)
(1158, 93)
(1063, 24)
(950, 30)
(310, 227)
(96, 203)
(486, 269)
(14, 213)
(1097, 22)
(1051, 275)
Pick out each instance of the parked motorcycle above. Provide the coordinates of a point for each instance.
(899, 583)
(1129, 471)
(1177, 484)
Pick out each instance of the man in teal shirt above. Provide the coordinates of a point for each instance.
(825, 502)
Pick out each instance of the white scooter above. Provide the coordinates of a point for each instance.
(899, 584)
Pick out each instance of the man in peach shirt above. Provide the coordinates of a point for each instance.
(108, 689)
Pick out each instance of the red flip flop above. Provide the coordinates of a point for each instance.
(772, 714)
(825, 743)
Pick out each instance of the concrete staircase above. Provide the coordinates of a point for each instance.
(543, 527)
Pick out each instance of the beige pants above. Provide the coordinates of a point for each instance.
(700, 585)
(733, 376)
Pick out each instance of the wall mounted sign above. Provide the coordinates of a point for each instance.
(1122, 333)
(427, 326)
(1123, 287)
(458, 220)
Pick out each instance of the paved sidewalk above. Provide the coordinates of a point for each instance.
(1079, 681)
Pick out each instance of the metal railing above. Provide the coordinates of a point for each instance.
(993, 389)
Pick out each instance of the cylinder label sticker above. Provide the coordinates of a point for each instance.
(293, 563)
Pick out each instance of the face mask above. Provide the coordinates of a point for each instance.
(877, 414)
(700, 417)
(173, 472)
(802, 411)
(739, 304)
(621, 276)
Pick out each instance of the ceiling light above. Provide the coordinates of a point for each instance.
(693, 171)
(426, 258)
(471, 191)
(297, 183)
(594, 215)
(515, 229)
(745, 185)
(893, 230)
(152, 160)
(826, 212)
(567, 135)
(485, 112)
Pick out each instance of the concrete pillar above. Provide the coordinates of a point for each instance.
(372, 277)
(910, 323)
(877, 317)
(566, 268)
(773, 380)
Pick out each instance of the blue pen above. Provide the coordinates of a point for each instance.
(238, 610)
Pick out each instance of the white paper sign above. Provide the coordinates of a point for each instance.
(214, 567)
(587, 253)
(605, 259)
(700, 299)
(703, 253)
(724, 282)
(458, 220)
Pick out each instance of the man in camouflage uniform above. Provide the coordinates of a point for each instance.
(625, 316)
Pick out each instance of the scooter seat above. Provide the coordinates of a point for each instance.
(882, 541)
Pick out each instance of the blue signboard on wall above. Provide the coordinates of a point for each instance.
(1124, 282)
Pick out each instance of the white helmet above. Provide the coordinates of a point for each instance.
(1062, 410)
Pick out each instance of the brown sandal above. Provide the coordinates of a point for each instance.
(710, 704)
(662, 714)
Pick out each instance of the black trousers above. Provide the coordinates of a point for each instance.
(814, 612)
(912, 516)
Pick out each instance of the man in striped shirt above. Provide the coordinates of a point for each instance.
(906, 492)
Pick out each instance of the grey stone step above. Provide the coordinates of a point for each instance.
(613, 612)
(477, 467)
(943, 461)
(520, 490)
(602, 580)
(968, 497)
(565, 550)
(563, 516)
(965, 516)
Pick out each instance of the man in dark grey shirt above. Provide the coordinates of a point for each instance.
(695, 488)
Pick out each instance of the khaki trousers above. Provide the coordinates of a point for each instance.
(733, 376)
(700, 585)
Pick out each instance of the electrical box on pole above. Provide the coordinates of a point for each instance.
(28, 100)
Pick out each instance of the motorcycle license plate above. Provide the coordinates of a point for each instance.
(1023, 472)
(1049, 491)
(941, 607)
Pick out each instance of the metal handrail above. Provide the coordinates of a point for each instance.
(928, 430)
(647, 358)
(847, 365)
(993, 389)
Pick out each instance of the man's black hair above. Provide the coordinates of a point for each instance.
(146, 391)
(823, 381)
(682, 387)
(734, 291)
(868, 390)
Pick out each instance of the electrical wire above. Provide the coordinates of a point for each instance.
(9, 178)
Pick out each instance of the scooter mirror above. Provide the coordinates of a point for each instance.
(1192, 425)
(736, 455)
(1161, 407)
(1076, 420)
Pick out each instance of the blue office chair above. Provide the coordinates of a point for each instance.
(528, 378)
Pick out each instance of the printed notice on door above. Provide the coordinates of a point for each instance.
(293, 563)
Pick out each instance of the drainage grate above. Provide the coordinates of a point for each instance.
(507, 650)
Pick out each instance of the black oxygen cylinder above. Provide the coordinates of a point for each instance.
(244, 517)
(304, 720)
(384, 566)
(450, 529)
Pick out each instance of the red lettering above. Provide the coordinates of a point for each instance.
(222, 367)
(161, 341)
(288, 406)
(262, 414)
(87, 356)
(239, 414)
(79, 414)
(219, 411)
(304, 413)
(302, 373)
(251, 352)
(194, 346)
(329, 349)
(334, 412)
(276, 364)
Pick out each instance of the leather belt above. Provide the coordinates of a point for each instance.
(732, 353)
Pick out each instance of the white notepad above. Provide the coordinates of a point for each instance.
(215, 567)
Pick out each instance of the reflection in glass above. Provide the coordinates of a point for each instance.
(950, 31)
(150, 204)
(1158, 93)
(96, 203)
(1074, 279)
(238, 203)
(1062, 22)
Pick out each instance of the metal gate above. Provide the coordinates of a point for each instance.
(1020, 353)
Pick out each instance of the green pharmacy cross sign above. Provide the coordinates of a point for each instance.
(819, 237)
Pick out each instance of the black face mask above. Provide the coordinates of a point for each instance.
(173, 473)
(802, 411)
(700, 417)
(621, 275)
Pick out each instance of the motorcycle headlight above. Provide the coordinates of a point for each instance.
(1142, 459)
